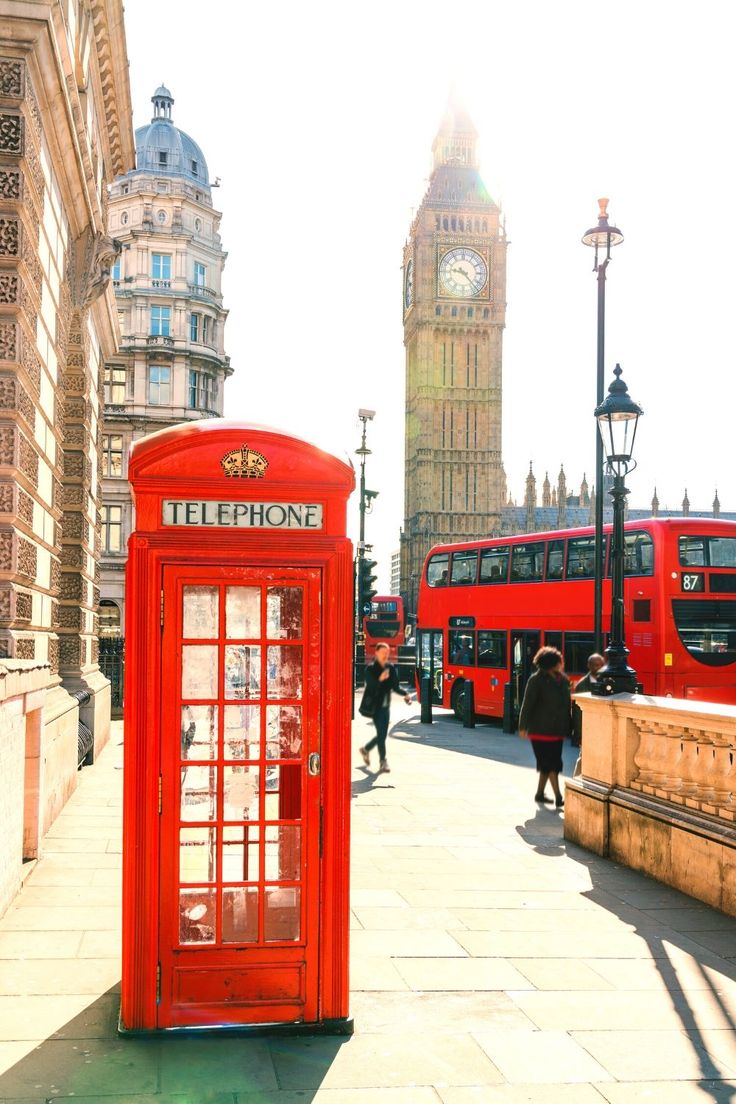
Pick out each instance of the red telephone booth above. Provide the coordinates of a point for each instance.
(237, 725)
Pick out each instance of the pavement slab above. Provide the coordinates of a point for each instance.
(490, 961)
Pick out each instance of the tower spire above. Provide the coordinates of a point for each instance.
(457, 138)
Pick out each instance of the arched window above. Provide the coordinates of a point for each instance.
(470, 312)
(454, 312)
(454, 223)
(437, 222)
(486, 312)
(485, 226)
(444, 223)
(109, 618)
(462, 223)
(438, 310)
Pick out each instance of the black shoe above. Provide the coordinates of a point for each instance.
(542, 799)
(559, 803)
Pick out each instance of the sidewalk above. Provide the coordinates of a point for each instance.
(491, 961)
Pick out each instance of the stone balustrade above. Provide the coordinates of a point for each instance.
(657, 791)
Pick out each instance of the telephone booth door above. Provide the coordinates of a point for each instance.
(239, 796)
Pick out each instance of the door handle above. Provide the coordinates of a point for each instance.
(314, 763)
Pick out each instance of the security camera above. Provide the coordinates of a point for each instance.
(369, 415)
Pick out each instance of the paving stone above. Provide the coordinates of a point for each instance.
(560, 974)
(403, 944)
(38, 1017)
(539, 1057)
(61, 919)
(471, 974)
(100, 944)
(646, 1055)
(58, 976)
(669, 1092)
(190, 1063)
(382, 1061)
(618, 1010)
(445, 1012)
(387, 919)
(38, 944)
(375, 974)
(537, 919)
(94, 1067)
(521, 1094)
(694, 920)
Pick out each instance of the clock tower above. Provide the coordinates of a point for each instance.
(454, 309)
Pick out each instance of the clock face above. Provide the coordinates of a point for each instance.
(463, 272)
(409, 284)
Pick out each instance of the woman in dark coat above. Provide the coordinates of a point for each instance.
(546, 719)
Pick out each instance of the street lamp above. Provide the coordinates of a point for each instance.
(365, 416)
(602, 238)
(618, 417)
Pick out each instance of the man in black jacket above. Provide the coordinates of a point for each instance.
(381, 679)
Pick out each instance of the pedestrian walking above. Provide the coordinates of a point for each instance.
(584, 686)
(381, 680)
(546, 720)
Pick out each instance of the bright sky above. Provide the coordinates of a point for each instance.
(319, 118)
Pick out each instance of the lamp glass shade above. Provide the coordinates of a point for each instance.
(602, 236)
(618, 430)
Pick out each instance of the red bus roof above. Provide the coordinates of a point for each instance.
(651, 525)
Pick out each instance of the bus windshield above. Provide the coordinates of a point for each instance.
(707, 629)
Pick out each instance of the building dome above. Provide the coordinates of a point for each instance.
(164, 149)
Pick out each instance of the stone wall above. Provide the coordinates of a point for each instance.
(657, 791)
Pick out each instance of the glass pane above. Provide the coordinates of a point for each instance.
(242, 731)
(198, 731)
(242, 671)
(555, 557)
(240, 914)
(437, 570)
(692, 551)
(494, 563)
(200, 612)
(284, 671)
(199, 671)
(284, 619)
(241, 793)
(240, 853)
(198, 793)
(197, 915)
(581, 558)
(281, 915)
(722, 551)
(283, 731)
(242, 612)
(283, 853)
(527, 562)
(461, 647)
(464, 568)
(284, 792)
(197, 855)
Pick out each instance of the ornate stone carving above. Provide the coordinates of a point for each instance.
(34, 113)
(9, 287)
(32, 263)
(8, 341)
(7, 444)
(6, 595)
(6, 550)
(28, 460)
(72, 494)
(55, 608)
(6, 495)
(14, 397)
(12, 71)
(71, 617)
(55, 576)
(73, 524)
(23, 605)
(71, 586)
(75, 435)
(4, 648)
(93, 257)
(69, 651)
(95, 650)
(11, 183)
(72, 555)
(57, 493)
(53, 654)
(24, 507)
(95, 597)
(11, 134)
(31, 363)
(74, 465)
(27, 558)
(72, 382)
(25, 648)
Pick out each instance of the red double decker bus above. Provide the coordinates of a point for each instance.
(485, 607)
(384, 625)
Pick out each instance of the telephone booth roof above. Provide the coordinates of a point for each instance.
(193, 453)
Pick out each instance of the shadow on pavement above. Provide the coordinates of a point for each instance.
(664, 946)
(87, 1059)
(368, 783)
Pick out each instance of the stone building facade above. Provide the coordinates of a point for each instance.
(65, 132)
(454, 307)
(171, 365)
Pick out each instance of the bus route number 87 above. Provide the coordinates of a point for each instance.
(692, 581)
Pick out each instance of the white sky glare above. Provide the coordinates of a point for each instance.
(319, 118)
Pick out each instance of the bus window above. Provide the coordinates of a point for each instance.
(494, 565)
(464, 568)
(527, 562)
(722, 551)
(707, 629)
(581, 558)
(555, 558)
(692, 551)
(638, 554)
(437, 570)
(461, 647)
(578, 646)
(553, 640)
(492, 649)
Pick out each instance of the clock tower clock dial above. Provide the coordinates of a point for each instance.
(409, 284)
(463, 272)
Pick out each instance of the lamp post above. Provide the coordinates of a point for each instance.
(365, 416)
(617, 417)
(601, 238)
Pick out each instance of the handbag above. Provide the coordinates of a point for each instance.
(367, 707)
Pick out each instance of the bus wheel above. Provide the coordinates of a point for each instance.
(456, 699)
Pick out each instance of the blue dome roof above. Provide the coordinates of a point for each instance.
(161, 148)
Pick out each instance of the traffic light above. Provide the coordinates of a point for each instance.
(366, 589)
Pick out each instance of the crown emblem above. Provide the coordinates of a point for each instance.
(244, 463)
